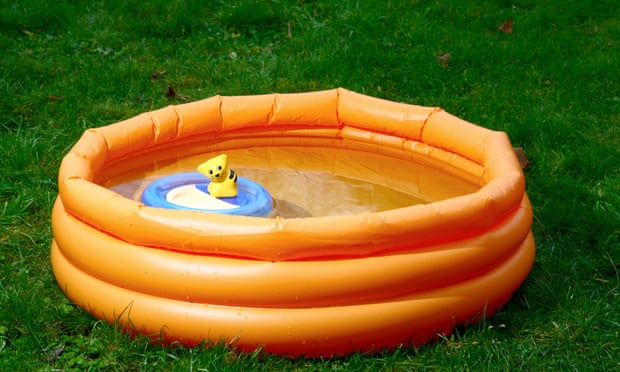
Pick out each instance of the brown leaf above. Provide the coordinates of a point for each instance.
(506, 27)
(158, 73)
(444, 59)
(523, 160)
(171, 93)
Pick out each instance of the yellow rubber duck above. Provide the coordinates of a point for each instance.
(223, 180)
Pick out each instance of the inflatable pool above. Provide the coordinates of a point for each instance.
(324, 285)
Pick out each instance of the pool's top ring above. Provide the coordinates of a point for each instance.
(338, 119)
(252, 199)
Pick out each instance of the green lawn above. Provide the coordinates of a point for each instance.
(552, 82)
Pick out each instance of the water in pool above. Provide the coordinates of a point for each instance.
(307, 182)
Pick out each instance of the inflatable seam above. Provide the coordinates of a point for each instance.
(340, 122)
(275, 107)
(179, 122)
(421, 132)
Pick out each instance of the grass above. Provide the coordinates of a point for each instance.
(553, 84)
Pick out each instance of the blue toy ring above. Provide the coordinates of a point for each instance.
(252, 199)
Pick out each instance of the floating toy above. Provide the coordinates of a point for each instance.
(313, 286)
(223, 180)
(193, 191)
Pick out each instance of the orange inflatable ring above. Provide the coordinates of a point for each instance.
(312, 286)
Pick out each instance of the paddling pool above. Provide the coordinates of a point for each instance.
(323, 284)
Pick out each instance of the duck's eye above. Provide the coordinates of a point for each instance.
(219, 167)
(210, 171)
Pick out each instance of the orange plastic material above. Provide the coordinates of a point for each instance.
(313, 286)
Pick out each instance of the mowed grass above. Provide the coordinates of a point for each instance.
(551, 81)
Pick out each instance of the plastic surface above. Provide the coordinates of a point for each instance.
(251, 199)
(314, 286)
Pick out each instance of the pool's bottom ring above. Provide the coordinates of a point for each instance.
(189, 191)
(323, 331)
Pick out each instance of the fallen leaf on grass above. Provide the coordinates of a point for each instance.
(444, 59)
(172, 94)
(158, 73)
(506, 27)
(523, 160)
